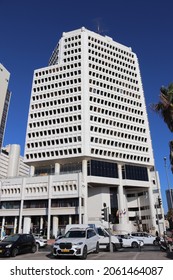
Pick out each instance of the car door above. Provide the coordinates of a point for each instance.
(91, 239)
(22, 246)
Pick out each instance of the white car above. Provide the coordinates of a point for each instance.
(130, 241)
(40, 241)
(77, 242)
(145, 237)
(106, 237)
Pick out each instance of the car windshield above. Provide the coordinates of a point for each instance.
(76, 234)
(11, 238)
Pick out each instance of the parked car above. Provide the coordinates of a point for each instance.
(40, 241)
(77, 242)
(146, 238)
(130, 241)
(15, 244)
(106, 237)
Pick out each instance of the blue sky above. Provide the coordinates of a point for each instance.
(29, 31)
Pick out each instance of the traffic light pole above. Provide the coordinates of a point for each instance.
(110, 243)
(106, 218)
(157, 215)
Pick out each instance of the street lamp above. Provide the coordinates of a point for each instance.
(170, 193)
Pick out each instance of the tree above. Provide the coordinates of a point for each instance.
(170, 218)
(165, 106)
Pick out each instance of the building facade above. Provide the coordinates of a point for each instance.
(169, 198)
(11, 163)
(88, 142)
(4, 100)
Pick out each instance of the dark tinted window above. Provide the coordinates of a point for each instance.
(102, 169)
(133, 172)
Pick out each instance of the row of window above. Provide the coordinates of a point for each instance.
(72, 58)
(113, 103)
(10, 191)
(111, 57)
(110, 86)
(71, 90)
(119, 155)
(54, 112)
(113, 113)
(72, 38)
(118, 144)
(50, 132)
(60, 153)
(56, 102)
(99, 43)
(57, 85)
(57, 69)
(54, 142)
(104, 63)
(117, 94)
(64, 188)
(118, 116)
(58, 77)
(49, 122)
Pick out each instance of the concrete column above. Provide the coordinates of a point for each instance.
(55, 225)
(15, 224)
(32, 171)
(14, 159)
(41, 223)
(21, 204)
(70, 220)
(121, 203)
(2, 229)
(26, 224)
(49, 206)
(152, 209)
(57, 168)
(84, 179)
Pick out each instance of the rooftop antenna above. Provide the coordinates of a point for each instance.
(98, 29)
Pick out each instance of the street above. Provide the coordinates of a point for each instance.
(146, 253)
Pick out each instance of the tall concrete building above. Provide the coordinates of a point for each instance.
(4, 100)
(88, 141)
(11, 163)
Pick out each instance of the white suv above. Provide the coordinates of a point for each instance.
(77, 242)
(145, 237)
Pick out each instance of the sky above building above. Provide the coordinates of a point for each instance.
(29, 31)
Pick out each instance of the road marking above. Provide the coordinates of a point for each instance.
(136, 256)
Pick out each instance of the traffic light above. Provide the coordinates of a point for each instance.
(104, 212)
(159, 201)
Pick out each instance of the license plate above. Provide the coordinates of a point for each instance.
(65, 250)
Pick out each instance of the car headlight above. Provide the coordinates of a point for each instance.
(8, 246)
(79, 243)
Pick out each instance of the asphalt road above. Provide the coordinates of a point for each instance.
(146, 253)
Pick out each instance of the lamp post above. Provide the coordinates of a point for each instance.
(170, 193)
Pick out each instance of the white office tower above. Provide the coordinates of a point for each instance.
(88, 133)
(4, 100)
(11, 163)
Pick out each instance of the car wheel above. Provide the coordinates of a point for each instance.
(14, 252)
(34, 249)
(97, 248)
(134, 244)
(156, 243)
(84, 254)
